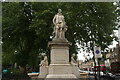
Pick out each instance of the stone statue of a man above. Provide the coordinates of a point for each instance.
(60, 26)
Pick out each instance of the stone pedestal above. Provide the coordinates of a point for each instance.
(60, 66)
(59, 52)
(43, 72)
(75, 70)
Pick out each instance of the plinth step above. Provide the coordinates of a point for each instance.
(58, 79)
(61, 77)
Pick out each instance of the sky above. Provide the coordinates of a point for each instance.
(82, 53)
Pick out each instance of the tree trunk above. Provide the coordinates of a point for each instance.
(23, 70)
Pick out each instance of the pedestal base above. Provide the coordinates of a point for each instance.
(61, 76)
(63, 71)
(43, 72)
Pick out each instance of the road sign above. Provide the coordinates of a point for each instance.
(97, 52)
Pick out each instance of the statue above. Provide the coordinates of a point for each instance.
(43, 67)
(60, 26)
(44, 62)
(73, 61)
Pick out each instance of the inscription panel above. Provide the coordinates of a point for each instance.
(59, 55)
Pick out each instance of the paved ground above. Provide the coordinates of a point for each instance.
(23, 77)
(15, 77)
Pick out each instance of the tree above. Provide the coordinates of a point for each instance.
(16, 33)
(27, 27)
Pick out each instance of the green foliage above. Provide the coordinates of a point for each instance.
(8, 59)
(15, 71)
(27, 27)
(118, 13)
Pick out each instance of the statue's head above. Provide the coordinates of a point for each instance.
(73, 55)
(59, 10)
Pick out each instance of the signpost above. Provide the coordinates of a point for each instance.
(98, 56)
(119, 33)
